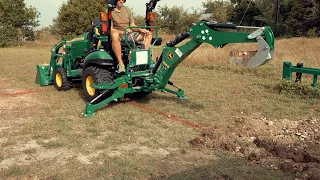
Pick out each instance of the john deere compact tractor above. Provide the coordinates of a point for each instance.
(90, 57)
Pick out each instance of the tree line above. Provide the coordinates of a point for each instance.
(290, 18)
(16, 21)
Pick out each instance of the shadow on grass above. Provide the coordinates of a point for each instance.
(142, 98)
(154, 96)
(78, 86)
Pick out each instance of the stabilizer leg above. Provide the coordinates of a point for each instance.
(119, 92)
(91, 108)
(179, 93)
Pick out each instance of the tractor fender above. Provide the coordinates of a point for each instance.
(101, 58)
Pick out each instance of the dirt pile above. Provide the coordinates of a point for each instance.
(289, 146)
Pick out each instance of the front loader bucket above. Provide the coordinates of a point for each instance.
(252, 59)
(42, 77)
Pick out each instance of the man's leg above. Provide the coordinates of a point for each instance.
(147, 41)
(116, 46)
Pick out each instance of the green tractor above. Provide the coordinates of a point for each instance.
(89, 57)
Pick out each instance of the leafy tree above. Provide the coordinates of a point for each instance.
(75, 16)
(218, 9)
(8, 35)
(176, 19)
(16, 20)
(268, 14)
(246, 12)
(304, 17)
(267, 8)
(296, 17)
(140, 20)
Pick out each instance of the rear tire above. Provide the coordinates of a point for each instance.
(61, 80)
(96, 75)
(140, 95)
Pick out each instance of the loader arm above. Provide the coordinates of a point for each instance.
(211, 32)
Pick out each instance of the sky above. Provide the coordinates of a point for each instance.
(49, 8)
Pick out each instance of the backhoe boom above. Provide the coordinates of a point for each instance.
(210, 32)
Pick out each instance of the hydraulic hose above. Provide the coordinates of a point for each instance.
(154, 70)
(178, 39)
(172, 43)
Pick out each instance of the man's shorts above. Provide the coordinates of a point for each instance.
(131, 37)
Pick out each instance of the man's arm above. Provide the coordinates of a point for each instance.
(145, 31)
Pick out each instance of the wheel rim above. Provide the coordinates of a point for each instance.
(91, 91)
(58, 79)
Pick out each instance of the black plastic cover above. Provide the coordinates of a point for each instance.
(222, 25)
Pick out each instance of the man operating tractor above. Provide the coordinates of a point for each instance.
(98, 66)
(121, 18)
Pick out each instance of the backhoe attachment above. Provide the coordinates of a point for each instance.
(219, 35)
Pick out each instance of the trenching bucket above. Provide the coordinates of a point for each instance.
(43, 75)
(251, 59)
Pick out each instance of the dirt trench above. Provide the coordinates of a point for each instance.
(278, 144)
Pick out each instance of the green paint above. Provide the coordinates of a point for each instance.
(288, 69)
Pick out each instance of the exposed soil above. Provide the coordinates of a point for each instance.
(288, 146)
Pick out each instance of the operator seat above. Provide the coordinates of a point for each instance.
(95, 22)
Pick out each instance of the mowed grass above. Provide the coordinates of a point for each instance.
(42, 134)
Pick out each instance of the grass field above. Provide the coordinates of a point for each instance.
(249, 128)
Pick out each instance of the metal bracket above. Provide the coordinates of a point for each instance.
(256, 33)
(179, 93)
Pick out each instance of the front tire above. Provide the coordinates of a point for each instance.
(61, 81)
(95, 75)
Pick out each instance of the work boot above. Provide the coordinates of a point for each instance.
(121, 68)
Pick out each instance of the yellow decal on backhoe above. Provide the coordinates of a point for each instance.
(164, 63)
(75, 39)
(170, 55)
(97, 31)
